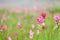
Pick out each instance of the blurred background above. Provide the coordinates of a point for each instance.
(29, 19)
(28, 3)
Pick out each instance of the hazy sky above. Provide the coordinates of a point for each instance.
(18, 2)
(25, 2)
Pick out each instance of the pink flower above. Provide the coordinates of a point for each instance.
(17, 11)
(43, 15)
(31, 33)
(20, 26)
(16, 34)
(2, 28)
(37, 9)
(25, 10)
(4, 16)
(9, 38)
(56, 17)
(40, 20)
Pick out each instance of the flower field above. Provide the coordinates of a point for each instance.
(30, 24)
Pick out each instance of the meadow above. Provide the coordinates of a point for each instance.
(33, 24)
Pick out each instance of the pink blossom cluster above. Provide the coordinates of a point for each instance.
(41, 19)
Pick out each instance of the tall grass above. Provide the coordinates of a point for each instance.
(27, 20)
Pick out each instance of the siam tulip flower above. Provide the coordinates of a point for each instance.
(17, 11)
(37, 31)
(43, 15)
(37, 9)
(2, 28)
(4, 16)
(56, 18)
(25, 10)
(9, 38)
(40, 20)
(20, 26)
(16, 34)
(31, 33)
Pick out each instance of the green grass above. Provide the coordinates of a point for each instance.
(12, 22)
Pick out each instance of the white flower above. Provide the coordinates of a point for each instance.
(43, 24)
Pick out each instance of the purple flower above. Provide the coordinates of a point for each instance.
(31, 33)
(9, 38)
(56, 18)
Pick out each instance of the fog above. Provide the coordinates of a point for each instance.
(28, 3)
